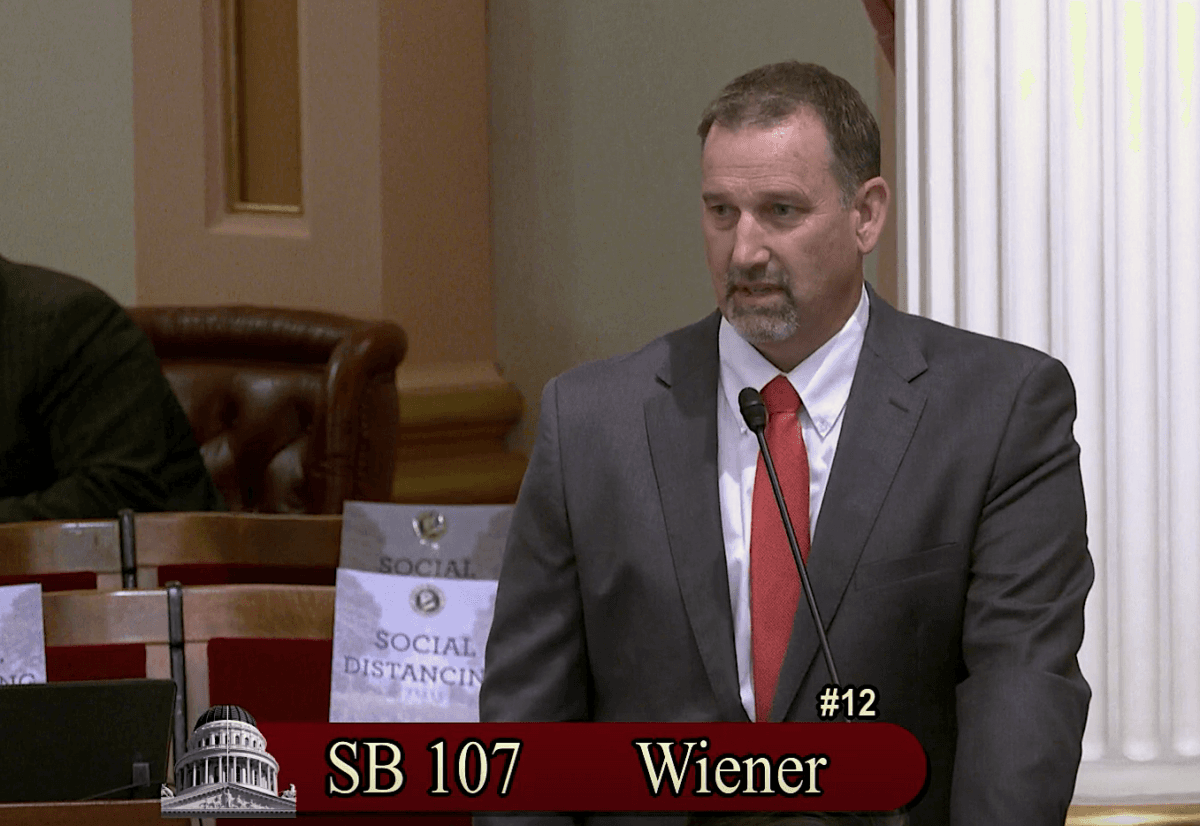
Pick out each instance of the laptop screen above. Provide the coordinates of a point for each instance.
(82, 740)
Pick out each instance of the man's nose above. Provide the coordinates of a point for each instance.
(749, 245)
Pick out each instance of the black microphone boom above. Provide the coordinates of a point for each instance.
(753, 409)
(755, 414)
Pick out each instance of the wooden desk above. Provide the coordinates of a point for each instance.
(87, 813)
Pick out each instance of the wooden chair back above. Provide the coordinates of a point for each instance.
(76, 621)
(83, 813)
(69, 554)
(271, 641)
(236, 548)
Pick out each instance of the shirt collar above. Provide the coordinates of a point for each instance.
(822, 380)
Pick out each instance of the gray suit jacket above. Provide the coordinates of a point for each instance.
(950, 560)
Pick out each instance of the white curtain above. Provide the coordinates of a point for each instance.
(1049, 193)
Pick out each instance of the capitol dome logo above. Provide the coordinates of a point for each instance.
(226, 771)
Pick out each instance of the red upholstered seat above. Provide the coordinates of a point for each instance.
(239, 574)
(62, 581)
(118, 661)
(276, 680)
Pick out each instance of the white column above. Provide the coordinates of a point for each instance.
(1183, 371)
(1049, 193)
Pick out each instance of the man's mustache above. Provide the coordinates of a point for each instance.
(766, 276)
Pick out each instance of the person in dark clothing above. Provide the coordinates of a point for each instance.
(88, 423)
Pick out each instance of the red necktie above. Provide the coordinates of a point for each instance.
(774, 582)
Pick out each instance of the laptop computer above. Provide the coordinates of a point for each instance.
(103, 739)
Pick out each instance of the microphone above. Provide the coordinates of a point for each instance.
(755, 414)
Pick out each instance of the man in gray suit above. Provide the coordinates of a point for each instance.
(944, 508)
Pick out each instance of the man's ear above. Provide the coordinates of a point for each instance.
(870, 210)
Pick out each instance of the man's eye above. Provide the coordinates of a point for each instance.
(782, 210)
(720, 210)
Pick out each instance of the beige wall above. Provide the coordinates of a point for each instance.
(594, 167)
(66, 146)
(434, 154)
(595, 161)
(191, 249)
(394, 167)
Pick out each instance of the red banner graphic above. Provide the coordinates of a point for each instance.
(597, 767)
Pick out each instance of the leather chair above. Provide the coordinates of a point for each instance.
(295, 411)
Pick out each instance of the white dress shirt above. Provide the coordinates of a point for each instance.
(823, 381)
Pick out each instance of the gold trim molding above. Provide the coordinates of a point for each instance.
(1187, 814)
(454, 422)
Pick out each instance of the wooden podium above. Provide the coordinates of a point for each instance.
(84, 813)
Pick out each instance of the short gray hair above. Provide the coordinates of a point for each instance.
(771, 94)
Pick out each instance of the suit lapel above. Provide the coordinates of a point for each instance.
(880, 417)
(680, 419)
